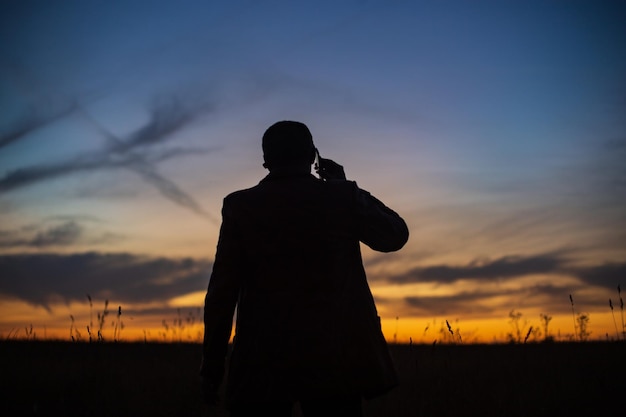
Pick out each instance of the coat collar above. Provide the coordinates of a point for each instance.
(273, 176)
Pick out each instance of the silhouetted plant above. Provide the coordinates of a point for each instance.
(449, 328)
(75, 334)
(621, 306)
(545, 321)
(583, 323)
(30, 333)
(448, 335)
(530, 329)
(395, 335)
(617, 335)
(515, 320)
(119, 325)
(102, 320)
(179, 326)
(571, 300)
(167, 329)
(90, 317)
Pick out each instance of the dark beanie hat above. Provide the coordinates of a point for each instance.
(286, 142)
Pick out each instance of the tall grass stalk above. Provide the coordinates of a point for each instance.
(75, 334)
(530, 329)
(395, 335)
(118, 325)
(571, 300)
(90, 317)
(11, 331)
(30, 332)
(102, 320)
(614, 322)
(621, 306)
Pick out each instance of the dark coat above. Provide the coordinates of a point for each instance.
(289, 258)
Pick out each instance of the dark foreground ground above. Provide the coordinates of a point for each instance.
(80, 379)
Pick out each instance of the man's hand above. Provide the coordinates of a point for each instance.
(209, 392)
(211, 374)
(328, 169)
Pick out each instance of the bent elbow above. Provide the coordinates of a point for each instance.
(397, 244)
(394, 241)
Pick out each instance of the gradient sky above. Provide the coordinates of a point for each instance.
(495, 128)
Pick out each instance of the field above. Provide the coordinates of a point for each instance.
(136, 379)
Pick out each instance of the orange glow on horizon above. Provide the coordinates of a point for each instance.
(396, 330)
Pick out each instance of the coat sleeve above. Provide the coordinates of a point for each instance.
(221, 298)
(380, 228)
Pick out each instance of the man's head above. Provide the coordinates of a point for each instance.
(288, 143)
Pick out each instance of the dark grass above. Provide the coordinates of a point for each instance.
(136, 379)
(100, 379)
(556, 379)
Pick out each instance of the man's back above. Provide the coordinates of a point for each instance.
(288, 257)
(306, 317)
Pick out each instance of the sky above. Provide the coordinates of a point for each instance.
(496, 129)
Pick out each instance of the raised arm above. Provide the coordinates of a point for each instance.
(380, 228)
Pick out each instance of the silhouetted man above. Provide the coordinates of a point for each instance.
(288, 257)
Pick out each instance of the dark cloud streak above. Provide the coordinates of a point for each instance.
(170, 190)
(505, 267)
(167, 116)
(608, 275)
(485, 302)
(33, 122)
(64, 231)
(23, 177)
(64, 234)
(42, 279)
(552, 293)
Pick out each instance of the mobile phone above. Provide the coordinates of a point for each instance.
(328, 169)
(318, 164)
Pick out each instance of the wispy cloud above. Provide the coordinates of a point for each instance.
(42, 279)
(500, 285)
(57, 231)
(33, 121)
(29, 175)
(505, 267)
(167, 117)
(483, 303)
(64, 234)
(608, 275)
(168, 114)
(133, 153)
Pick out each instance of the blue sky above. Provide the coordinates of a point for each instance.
(495, 128)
